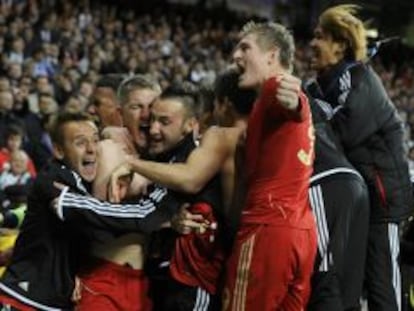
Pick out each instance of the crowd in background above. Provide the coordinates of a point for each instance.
(53, 52)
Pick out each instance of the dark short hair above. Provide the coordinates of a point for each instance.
(62, 119)
(14, 130)
(111, 80)
(187, 93)
(226, 86)
(205, 100)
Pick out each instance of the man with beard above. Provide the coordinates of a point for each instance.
(180, 278)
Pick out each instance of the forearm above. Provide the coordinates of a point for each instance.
(177, 176)
(146, 215)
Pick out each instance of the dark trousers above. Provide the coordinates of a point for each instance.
(383, 278)
(341, 206)
(170, 295)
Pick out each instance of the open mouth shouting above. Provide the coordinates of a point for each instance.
(88, 169)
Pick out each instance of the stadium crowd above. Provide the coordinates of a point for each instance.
(55, 56)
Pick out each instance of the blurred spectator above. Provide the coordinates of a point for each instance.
(7, 117)
(63, 49)
(14, 140)
(18, 173)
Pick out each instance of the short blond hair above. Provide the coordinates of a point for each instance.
(342, 24)
(269, 35)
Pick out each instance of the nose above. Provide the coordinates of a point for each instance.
(91, 147)
(154, 128)
(236, 56)
(145, 115)
(312, 43)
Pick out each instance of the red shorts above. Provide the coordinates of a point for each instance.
(113, 287)
(270, 269)
(9, 303)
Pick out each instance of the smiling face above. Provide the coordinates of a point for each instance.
(169, 125)
(79, 148)
(253, 62)
(325, 51)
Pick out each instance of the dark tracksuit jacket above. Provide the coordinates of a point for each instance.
(51, 243)
(371, 133)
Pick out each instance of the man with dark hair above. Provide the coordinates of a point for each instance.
(181, 279)
(59, 225)
(216, 150)
(105, 100)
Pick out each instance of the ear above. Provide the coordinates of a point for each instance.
(58, 152)
(190, 124)
(273, 56)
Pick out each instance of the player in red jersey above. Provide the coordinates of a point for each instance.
(272, 260)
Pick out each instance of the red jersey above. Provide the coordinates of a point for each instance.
(198, 258)
(279, 159)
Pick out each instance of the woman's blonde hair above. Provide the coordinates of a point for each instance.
(342, 24)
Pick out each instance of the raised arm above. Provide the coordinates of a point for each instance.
(284, 98)
(202, 164)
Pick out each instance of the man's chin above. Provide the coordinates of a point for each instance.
(88, 177)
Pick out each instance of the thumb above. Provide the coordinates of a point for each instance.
(59, 185)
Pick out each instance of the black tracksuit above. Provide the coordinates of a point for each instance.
(167, 293)
(371, 133)
(339, 199)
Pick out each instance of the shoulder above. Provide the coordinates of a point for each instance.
(214, 142)
(214, 134)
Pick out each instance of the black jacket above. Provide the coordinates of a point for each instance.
(329, 156)
(371, 133)
(163, 242)
(50, 246)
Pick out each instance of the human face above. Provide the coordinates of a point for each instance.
(14, 142)
(79, 148)
(6, 101)
(169, 125)
(136, 114)
(18, 162)
(253, 62)
(106, 107)
(325, 51)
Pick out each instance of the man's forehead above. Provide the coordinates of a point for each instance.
(81, 128)
(248, 38)
(142, 95)
(167, 106)
(104, 90)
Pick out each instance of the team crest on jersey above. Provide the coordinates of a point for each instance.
(307, 157)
